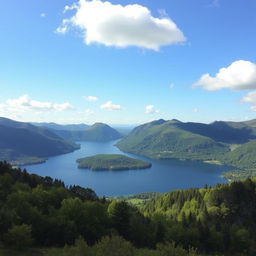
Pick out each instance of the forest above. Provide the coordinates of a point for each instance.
(42, 216)
(111, 162)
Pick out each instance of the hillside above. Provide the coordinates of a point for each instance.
(171, 139)
(220, 131)
(243, 157)
(23, 143)
(111, 162)
(251, 123)
(98, 132)
(39, 216)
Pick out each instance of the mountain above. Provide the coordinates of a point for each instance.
(22, 142)
(242, 157)
(98, 132)
(173, 139)
(67, 127)
(220, 131)
(251, 123)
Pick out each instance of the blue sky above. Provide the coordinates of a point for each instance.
(137, 69)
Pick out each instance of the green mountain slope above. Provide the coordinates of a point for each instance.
(40, 215)
(169, 139)
(243, 157)
(98, 132)
(226, 132)
(23, 142)
(251, 123)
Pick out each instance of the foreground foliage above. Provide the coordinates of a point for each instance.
(42, 212)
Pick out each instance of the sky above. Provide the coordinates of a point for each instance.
(127, 62)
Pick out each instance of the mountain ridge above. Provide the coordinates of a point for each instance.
(98, 132)
(22, 143)
(186, 140)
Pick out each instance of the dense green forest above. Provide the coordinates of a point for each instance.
(41, 213)
(111, 162)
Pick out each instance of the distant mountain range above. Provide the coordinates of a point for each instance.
(232, 143)
(176, 139)
(22, 143)
(98, 132)
(67, 127)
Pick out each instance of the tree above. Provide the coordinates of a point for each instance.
(119, 213)
(171, 249)
(19, 236)
(114, 246)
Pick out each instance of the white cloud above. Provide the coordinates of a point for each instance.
(42, 15)
(25, 103)
(150, 109)
(121, 26)
(250, 98)
(240, 75)
(110, 106)
(64, 28)
(91, 98)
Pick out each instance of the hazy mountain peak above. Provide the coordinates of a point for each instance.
(158, 122)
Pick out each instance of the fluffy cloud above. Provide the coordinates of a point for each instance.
(110, 106)
(150, 109)
(240, 75)
(25, 103)
(121, 26)
(91, 98)
(251, 99)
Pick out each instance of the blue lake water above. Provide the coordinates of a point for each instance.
(163, 176)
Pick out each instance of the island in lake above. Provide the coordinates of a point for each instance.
(111, 162)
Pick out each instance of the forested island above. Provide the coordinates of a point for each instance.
(42, 216)
(111, 162)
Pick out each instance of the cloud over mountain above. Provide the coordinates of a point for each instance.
(251, 99)
(240, 75)
(150, 109)
(24, 103)
(110, 106)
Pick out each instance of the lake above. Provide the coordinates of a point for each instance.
(163, 176)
